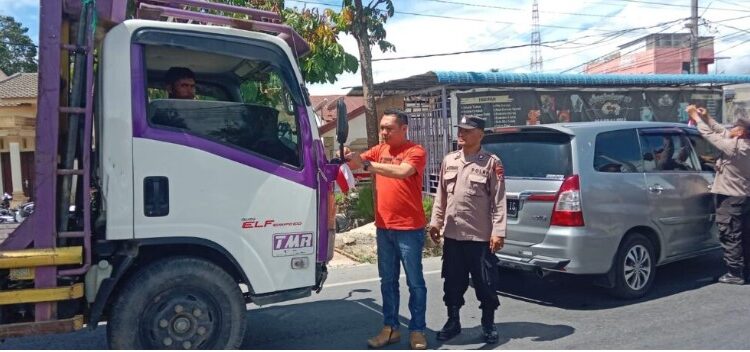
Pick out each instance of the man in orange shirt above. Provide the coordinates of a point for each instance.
(398, 165)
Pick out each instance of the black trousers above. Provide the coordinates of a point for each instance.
(733, 221)
(460, 259)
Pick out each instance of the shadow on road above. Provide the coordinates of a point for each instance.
(348, 323)
(577, 292)
(471, 338)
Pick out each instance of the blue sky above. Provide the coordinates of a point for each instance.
(24, 11)
(439, 26)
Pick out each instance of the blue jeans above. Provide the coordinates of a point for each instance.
(396, 247)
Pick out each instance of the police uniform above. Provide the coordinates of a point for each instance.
(732, 189)
(469, 207)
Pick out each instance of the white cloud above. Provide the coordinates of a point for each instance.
(415, 35)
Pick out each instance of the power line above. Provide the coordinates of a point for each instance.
(732, 47)
(735, 28)
(668, 5)
(453, 17)
(671, 24)
(621, 53)
(589, 46)
(730, 19)
(648, 61)
(514, 9)
(706, 9)
(608, 36)
(733, 3)
(465, 52)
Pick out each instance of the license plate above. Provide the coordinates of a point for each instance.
(512, 208)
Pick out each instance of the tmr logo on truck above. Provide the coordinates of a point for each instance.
(286, 244)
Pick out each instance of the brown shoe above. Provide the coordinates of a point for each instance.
(386, 337)
(417, 340)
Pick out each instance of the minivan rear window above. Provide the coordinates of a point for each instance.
(532, 154)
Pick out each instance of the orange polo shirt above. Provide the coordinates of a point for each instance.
(399, 201)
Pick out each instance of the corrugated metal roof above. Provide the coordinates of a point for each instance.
(557, 79)
(19, 85)
(507, 79)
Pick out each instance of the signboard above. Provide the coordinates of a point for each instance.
(530, 107)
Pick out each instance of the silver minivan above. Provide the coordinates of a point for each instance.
(614, 199)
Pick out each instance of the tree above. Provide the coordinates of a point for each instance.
(327, 58)
(366, 24)
(17, 50)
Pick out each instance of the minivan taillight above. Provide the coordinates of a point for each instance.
(567, 210)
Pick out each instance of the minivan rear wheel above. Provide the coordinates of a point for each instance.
(635, 267)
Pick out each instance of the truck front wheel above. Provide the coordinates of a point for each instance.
(178, 303)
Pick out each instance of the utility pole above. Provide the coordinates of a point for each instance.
(536, 40)
(694, 38)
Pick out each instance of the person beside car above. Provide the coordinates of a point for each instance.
(732, 190)
(470, 209)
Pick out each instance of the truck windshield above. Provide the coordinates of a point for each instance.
(244, 102)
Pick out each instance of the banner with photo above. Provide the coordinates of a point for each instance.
(515, 107)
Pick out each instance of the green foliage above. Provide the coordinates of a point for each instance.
(340, 198)
(364, 206)
(154, 93)
(327, 58)
(17, 50)
(375, 17)
(268, 92)
(427, 206)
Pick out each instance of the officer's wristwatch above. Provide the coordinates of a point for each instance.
(366, 165)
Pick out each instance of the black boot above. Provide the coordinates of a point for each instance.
(488, 326)
(452, 327)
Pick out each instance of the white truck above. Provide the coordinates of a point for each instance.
(186, 209)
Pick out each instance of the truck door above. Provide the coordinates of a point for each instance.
(231, 165)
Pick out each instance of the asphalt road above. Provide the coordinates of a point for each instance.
(686, 309)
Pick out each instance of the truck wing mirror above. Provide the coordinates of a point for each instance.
(342, 123)
(342, 127)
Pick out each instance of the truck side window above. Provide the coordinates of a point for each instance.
(617, 152)
(240, 102)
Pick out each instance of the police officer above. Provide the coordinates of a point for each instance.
(470, 209)
(732, 189)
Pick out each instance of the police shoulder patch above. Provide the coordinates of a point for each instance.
(499, 170)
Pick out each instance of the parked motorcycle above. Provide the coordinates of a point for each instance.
(23, 211)
(6, 201)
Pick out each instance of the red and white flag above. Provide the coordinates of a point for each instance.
(345, 178)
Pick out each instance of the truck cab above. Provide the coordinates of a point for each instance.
(232, 168)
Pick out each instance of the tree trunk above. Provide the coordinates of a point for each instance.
(365, 64)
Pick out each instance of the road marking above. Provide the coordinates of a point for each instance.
(355, 282)
(380, 313)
